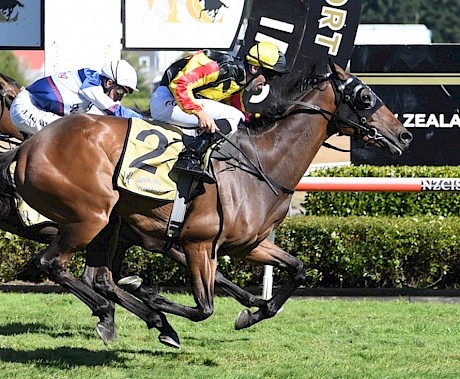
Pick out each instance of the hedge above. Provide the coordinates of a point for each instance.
(359, 251)
(355, 251)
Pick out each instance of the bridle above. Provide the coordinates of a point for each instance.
(4, 96)
(5, 103)
(360, 100)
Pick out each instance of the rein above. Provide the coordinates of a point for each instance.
(256, 170)
(3, 103)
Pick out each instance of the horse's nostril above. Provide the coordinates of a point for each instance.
(406, 137)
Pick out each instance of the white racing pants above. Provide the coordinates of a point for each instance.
(163, 107)
(27, 117)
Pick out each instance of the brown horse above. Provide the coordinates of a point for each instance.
(46, 231)
(71, 181)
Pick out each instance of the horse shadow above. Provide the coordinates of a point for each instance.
(61, 357)
(38, 328)
(65, 357)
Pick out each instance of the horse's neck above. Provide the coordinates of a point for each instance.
(287, 150)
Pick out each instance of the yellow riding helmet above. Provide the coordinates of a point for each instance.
(267, 55)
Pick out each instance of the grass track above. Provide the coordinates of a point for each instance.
(53, 336)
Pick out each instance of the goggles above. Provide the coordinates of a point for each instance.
(269, 74)
(122, 90)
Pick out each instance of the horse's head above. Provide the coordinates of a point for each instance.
(361, 113)
(9, 88)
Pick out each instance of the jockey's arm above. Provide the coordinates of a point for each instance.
(199, 71)
(92, 90)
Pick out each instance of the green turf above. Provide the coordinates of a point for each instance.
(53, 336)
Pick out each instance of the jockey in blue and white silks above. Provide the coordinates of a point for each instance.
(82, 91)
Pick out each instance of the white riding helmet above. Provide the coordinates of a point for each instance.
(122, 73)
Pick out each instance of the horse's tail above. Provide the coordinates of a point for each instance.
(6, 179)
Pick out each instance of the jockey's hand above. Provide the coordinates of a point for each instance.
(206, 122)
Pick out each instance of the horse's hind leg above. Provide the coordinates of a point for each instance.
(54, 264)
(105, 285)
(268, 253)
(103, 245)
(106, 325)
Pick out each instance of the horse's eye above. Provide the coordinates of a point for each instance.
(366, 97)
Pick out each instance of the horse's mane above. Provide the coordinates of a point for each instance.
(294, 84)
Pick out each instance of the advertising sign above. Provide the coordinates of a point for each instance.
(21, 24)
(322, 28)
(421, 84)
(181, 24)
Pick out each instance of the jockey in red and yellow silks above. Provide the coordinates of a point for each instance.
(197, 90)
(207, 74)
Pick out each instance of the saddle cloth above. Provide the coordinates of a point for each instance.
(148, 156)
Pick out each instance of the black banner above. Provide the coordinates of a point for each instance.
(421, 84)
(303, 28)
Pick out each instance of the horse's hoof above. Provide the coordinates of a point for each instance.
(130, 283)
(107, 335)
(171, 340)
(243, 320)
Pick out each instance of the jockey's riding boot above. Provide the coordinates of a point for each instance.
(190, 160)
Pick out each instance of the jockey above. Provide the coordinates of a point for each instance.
(205, 89)
(82, 91)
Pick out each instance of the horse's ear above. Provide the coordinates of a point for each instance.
(333, 67)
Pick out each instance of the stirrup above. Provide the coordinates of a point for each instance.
(193, 168)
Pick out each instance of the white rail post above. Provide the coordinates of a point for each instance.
(268, 276)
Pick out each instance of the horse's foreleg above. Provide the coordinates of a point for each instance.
(244, 297)
(268, 253)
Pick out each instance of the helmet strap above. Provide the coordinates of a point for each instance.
(253, 72)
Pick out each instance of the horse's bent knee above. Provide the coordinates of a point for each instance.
(102, 284)
(300, 276)
(48, 266)
(203, 314)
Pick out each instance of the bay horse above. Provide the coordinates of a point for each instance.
(66, 172)
(44, 232)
